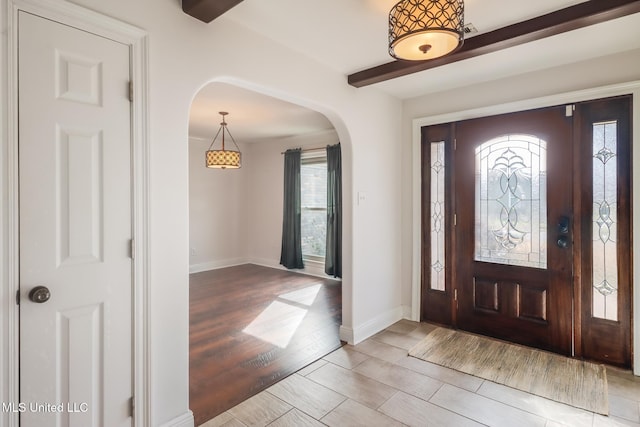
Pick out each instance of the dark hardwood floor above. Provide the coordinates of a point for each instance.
(251, 326)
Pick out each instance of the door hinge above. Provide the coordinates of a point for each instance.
(455, 220)
(568, 110)
(18, 297)
(130, 90)
(132, 249)
(455, 295)
(132, 406)
(455, 144)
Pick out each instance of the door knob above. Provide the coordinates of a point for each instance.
(563, 242)
(40, 294)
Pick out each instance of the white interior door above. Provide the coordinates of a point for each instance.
(75, 226)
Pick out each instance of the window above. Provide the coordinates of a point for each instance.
(313, 194)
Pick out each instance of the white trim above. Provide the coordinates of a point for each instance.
(346, 334)
(10, 240)
(523, 105)
(416, 244)
(137, 39)
(274, 264)
(407, 313)
(184, 420)
(373, 326)
(214, 265)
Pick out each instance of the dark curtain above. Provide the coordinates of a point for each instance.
(333, 257)
(291, 252)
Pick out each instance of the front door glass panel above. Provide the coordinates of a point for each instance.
(605, 206)
(437, 216)
(511, 202)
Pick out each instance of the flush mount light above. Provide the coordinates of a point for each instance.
(425, 29)
(223, 159)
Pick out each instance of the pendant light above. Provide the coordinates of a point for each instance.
(223, 159)
(425, 29)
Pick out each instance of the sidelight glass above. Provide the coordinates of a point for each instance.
(511, 201)
(604, 245)
(437, 216)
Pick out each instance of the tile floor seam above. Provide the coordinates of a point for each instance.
(552, 402)
(494, 400)
(311, 415)
(443, 380)
(522, 409)
(382, 404)
(348, 397)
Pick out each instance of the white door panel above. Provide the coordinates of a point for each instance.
(75, 226)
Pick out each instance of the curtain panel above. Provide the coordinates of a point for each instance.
(291, 250)
(333, 257)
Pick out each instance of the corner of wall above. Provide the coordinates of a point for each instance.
(346, 334)
(407, 313)
(184, 420)
(375, 325)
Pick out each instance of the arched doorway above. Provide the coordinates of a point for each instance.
(251, 322)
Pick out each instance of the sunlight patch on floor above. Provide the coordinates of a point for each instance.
(280, 320)
(305, 296)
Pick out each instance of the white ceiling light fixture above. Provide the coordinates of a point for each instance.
(223, 159)
(425, 29)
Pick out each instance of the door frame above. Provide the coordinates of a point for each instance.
(137, 40)
(632, 88)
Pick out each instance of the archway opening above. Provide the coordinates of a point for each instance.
(252, 322)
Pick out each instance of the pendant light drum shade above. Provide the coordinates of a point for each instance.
(223, 159)
(425, 29)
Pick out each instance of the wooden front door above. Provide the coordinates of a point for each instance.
(513, 263)
(526, 228)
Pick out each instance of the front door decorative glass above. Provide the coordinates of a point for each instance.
(511, 205)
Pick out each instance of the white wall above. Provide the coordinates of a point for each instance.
(218, 211)
(185, 54)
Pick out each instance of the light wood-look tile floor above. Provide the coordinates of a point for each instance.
(375, 383)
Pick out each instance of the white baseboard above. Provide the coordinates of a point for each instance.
(407, 313)
(214, 265)
(377, 324)
(312, 269)
(184, 420)
(346, 334)
(309, 271)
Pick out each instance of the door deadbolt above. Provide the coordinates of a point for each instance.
(40, 294)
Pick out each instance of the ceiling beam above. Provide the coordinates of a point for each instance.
(207, 10)
(563, 20)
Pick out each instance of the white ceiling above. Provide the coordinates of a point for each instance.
(351, 35)
(253, 117)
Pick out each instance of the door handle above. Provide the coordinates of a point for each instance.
(563, 225)
(563, 242)
(40, 294)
